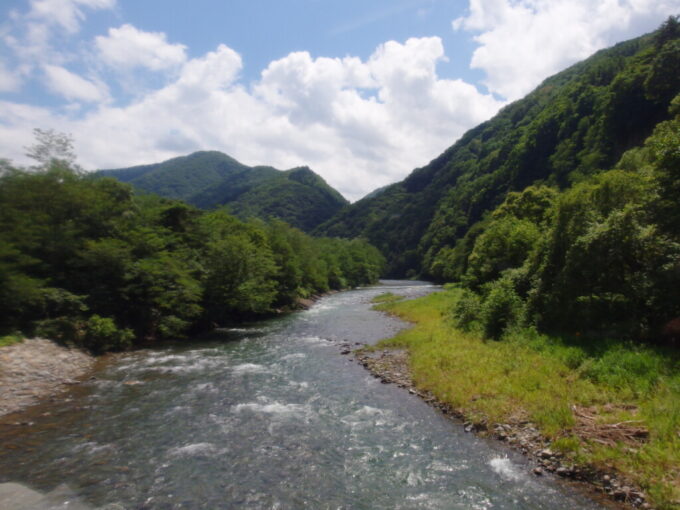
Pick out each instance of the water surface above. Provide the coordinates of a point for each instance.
(269, 416)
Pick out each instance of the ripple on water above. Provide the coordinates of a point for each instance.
(197, 450)
(312, 340)
(295, 355)
(249, 368)
(276, 409)
(504, 467)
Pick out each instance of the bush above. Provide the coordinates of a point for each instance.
(467, 311)
(501, 309)
(63, 330)
(102, 334)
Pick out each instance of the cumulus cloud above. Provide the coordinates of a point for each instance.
(522, 42)
(127, 47)
(29, 36)
(73, 87)
(359, 123)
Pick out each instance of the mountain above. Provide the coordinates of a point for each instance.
(576, 123)
(209, 179)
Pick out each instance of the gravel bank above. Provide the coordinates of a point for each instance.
(37, 368)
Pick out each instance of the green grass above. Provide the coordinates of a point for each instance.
(10, 340)
(386, 298)
(535, 377)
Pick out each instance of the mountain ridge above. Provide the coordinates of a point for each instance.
(209, 179)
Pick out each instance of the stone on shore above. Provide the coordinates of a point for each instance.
(37, 368)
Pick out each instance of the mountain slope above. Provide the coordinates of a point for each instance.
(575, 123)
(182, 177)
(212, 179)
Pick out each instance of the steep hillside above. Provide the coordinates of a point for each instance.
(212, 179)
(182, 177)
(574, 124)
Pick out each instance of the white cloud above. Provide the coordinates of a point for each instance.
(67, 14)
(29, 36)
(360, 124)
(127, 47)
(73, 87)
(10, 81)
(522, 42)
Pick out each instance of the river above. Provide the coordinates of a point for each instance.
(268, 416)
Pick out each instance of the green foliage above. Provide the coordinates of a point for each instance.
(87, 262)
(572, 126)
(505, 244)
(468, 310)
(209, 179)
(599, 259)
(502, 308)
(240, 278)
(101, 335)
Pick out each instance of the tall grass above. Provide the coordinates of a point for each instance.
(530, 376)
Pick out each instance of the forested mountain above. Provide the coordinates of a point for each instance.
(575, 124)
(209, 179)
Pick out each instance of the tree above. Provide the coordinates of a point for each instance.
(52, 148)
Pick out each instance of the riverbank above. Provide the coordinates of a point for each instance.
(529, 392)
(36, 369)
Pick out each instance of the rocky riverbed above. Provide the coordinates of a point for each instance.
(391, 366)
(36, 369)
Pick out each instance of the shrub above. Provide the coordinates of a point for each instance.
(501, 309)
(101, 334)
(61, 329)
(467, 310)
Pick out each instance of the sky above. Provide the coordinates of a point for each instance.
(361, 91)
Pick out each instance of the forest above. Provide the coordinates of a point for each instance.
(92, 263)
(209, 179)
(560, 212)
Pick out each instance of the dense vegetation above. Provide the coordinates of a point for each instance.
(521, 212)
(89, 261)
(605, 405)
(574, 124)
(208, 179)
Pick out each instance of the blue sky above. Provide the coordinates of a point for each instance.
(362, 92)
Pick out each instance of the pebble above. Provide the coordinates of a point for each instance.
(546, 454)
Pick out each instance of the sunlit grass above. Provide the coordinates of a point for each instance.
(386, 298)
(10, 340)
(534, 377)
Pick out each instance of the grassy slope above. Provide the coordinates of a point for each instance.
(541, 379)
